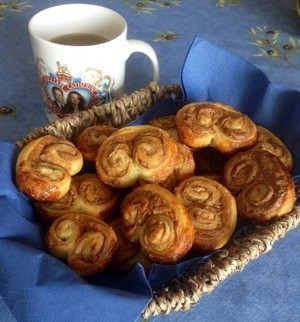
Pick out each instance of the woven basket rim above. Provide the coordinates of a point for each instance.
(184, 291)
(116, 113)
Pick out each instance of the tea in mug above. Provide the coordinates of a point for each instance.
(79, 39)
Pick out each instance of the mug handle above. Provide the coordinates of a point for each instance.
(136, 45)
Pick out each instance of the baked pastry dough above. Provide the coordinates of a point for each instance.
(90, 139)
(184, 167)
(268, 141)
(136, 152)
(88, 195)
(87, 244)
(128, 253)
(168, 124)
(215, 124)
(263, 186)
(212, 209)
(156, 219)
(44, 168)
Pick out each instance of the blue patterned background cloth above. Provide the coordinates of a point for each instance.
(265, 34)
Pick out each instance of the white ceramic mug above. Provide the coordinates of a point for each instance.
(75, 76)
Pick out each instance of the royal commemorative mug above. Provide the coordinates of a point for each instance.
(80, 52)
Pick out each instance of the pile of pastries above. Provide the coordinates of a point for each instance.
(155, 193)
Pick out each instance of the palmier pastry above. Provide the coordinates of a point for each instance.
(263, 186)
(212, 209)
(87, 194)
(90, 139)
(44, 168)
(215, 124)
(168, 124)
(87, 244)
(155, 218)
(128, 253)
(268, 141)
(184, 167)
(136, 152)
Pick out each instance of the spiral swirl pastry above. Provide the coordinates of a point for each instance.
(215, 124)
(268, 141)
(44, 168)
(128, 253)
(136, 152)
(212, 209)
(90, 139)
(157, 220)
(168, 124)
(262, 184)
(184, 167)
(88, 195)
(87, 244)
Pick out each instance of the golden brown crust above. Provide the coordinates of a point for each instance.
(87, 244)
(168, 124)
(203, 124)
(44, 168)
(212, 209)
(263, 185)
(136, 152)
(90, 139)
(268, 141)
(128, 253)
(156, 219)
(88, 195)
(184, 167)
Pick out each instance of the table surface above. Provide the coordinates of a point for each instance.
(265, 33)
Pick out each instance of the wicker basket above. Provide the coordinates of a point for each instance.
(187, 289)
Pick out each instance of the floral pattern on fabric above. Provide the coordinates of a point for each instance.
(166, 36)
(224, 3)
(274, 44)
(149, 6)
(13, 5)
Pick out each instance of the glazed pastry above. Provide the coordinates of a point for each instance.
(168, 124)
(44, 168)
(136, 152)
(268, 141)
(262, 184)
(184, 167)
(87, 244)
(90, 139)
(215, 124)
(128, 253)
(156, 219)
(87, 194)
(212, 209)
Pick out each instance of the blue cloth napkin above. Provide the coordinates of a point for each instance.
(36, 286)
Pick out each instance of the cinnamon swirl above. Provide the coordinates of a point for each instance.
(156, 219)
(88, 195)
(87, 244)
(128, 253)
(212, 209)
(268, 141)
(215, 124)
(90, 139)
(136, 152)
(44, 168)
(168, 124)
(262, 184)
